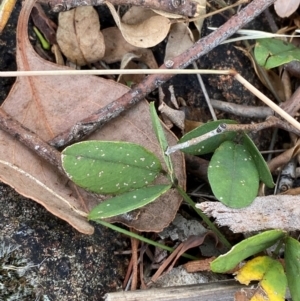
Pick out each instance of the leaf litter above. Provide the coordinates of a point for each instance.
(49, 105)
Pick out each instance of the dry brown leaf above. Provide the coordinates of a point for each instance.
(116, 47)
(180, 39)
(48, 105)
(284, 8)
(128, 63)
(145, 34)
(201, 11)
(268, 212)
(79, 37)
(137, 14)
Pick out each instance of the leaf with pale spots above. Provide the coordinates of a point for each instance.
(261, 165)
(127, 202)
(210, 144)
(110, 167)
(233, 175)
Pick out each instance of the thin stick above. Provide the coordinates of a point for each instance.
(206, 97)
(268, 101)
(272, 121)
(112, 72)
(219, 130)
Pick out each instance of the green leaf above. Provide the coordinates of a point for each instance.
(261, 165)
(231, 172)
(210, 144)
(271, 53)
(271, 275)
(161, 137)
(127, 202)
(245, 249)
(292, 266)
(108, 167)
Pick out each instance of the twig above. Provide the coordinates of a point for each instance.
(272, 121)
(241, 110)
(134, 246)
(30, 139)
(206, 97)
(184, 8)
(267, 101)
(203, 46)
(219, 130)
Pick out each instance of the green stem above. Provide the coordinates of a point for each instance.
(222, 238)
(141, 238)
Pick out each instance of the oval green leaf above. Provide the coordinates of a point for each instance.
(108, 167)
(231, 172)
(210, 144)
(292, 266)
(245, 249)
(261, 165)
(127, 202)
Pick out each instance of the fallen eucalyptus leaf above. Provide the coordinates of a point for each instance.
(145, 34)
(285, 8)
(79, 37)
(116, 47)
(180, 39)
(48, 105)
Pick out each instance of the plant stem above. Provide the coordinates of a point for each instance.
(141, 238)
(222, 238)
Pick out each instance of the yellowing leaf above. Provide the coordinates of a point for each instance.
(147, 33)
(253, 270)
(271, 275)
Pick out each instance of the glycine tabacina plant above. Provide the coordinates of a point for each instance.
(127, 171)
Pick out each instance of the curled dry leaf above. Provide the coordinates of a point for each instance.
(145, 34)
(79, 37)
(116, 47)
(128, 63)
(179, 40)
(284, 8)
(48, 105)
